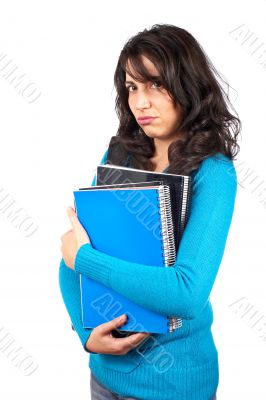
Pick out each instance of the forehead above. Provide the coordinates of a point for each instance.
(148, 65)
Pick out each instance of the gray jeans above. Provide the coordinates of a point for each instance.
(100, 392)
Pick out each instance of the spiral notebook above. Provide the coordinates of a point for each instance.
(150, 226)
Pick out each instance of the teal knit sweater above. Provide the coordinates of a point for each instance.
(182, 365)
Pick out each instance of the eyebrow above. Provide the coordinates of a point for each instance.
(152, 77)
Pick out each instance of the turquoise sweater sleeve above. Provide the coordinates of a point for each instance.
(184, 288)
(69, 283)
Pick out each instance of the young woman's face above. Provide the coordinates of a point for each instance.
(151, 99)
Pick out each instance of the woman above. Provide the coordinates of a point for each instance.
(163, 73)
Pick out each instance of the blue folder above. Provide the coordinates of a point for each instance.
(123, 223)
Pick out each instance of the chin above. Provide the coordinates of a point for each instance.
(152, 134)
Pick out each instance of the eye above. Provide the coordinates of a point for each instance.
(157, 83)
(129, 86)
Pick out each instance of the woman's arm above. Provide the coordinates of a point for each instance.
(183, 289)
(70, 291)
(69, 282)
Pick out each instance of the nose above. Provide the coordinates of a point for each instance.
(142, 101)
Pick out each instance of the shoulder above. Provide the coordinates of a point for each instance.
(216, 171)
(216, 164)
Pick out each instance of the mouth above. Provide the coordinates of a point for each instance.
(145, 120)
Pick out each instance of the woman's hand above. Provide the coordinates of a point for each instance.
(73, 239)
(102, 341)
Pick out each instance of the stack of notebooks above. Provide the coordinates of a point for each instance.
(137, 216)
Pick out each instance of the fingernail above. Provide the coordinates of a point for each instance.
(122, 317)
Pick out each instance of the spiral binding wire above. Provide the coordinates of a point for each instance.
(174, 323)
(168, 247)
(186, 188)
(167, 227)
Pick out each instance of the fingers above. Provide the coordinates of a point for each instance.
(66, 233)
(73, 217)
(74, 220)
(106, 327)
(122, 345)
(132, 340)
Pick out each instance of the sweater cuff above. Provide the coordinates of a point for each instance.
(88, 262)
(85, 348)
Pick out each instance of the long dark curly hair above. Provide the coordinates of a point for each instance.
(190, 79)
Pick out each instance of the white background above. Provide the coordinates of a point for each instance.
(51, 146)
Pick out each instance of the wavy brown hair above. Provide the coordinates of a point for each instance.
(190, 79)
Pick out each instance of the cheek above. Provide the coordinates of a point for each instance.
(131, 104)
(174, 111)
(171, 117)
